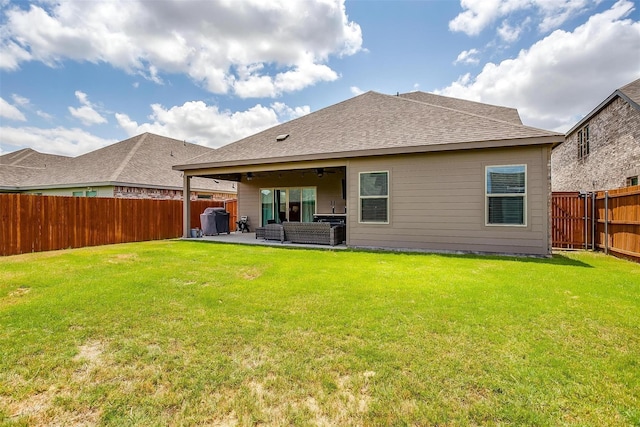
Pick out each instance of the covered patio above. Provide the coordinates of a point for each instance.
(299, 192)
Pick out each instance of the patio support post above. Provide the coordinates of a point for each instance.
(186, 206)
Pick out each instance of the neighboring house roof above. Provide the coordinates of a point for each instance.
(495, 111)
(31, 158)
(145, 160)
(22, 165)
(630, 93)
(377, 124)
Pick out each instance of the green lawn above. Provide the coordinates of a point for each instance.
(183, 333)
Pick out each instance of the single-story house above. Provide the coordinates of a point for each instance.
(409, 172)
(602, 151)
(138, 167)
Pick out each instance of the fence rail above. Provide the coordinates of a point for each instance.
(30, 223)
(609, 220)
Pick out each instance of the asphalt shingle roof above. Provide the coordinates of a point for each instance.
(373, 121)
(144, 160)
(495, 111)
(23, 165)
(28, 157)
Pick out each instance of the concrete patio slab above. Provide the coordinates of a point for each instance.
(250, 239)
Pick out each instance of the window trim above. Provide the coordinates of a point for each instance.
(523, 195)
(388, 197)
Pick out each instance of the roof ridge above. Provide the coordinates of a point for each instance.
(128, 157)
(26, 152)
(401, 95)
(469, 113)
(13, 165)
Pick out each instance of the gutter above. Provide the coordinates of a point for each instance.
(522, 142)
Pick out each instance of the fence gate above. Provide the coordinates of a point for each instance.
(572, 220)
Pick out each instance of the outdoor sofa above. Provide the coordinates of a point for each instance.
(317, 233)
(271, 232)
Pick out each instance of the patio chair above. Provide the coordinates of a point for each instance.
(274, 232)
(243, 224)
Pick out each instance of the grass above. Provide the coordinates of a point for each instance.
(182, 333)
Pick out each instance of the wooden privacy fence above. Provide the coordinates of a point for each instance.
(30, 223)
(608, 220)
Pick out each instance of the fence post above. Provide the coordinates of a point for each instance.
(606, 222)
(593, 221)
(586, 218)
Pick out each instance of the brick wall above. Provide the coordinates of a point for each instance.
(614, 153)
(157, 193)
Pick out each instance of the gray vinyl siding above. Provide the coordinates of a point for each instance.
(438, 203)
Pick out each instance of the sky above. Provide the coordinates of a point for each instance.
(78, 75)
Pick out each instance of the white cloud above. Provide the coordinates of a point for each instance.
(286, 113)
(63, 141)
(10, 112)
(467, 57)
(249, 47)
(20, 100)
(480, 14)
(44, 115)
(355, 90)
(563, 76)
(510, 33)
(557, 12)
(254, 84)
(87, 113)
(205, 124)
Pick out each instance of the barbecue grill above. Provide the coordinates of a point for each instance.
(214, 221)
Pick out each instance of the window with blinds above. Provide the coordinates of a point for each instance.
(506, 193)
(374, 197)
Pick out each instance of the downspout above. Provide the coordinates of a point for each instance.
(186, 206)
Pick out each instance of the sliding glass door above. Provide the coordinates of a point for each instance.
(295, 204)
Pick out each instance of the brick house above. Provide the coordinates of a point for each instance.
(137, 168)
(602, 151)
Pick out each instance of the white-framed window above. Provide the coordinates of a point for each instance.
(374, 197)
(506, 195)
